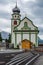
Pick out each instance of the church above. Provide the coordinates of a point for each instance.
(22, 29)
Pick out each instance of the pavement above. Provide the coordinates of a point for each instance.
(11, 57)
(39, 61)
(22, 59)
(6, 55)
(10, 50)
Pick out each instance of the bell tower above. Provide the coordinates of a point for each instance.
(16, 16)
(15, 21)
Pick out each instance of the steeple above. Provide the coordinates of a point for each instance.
(16, 4)
(16, 9)
(16, 15)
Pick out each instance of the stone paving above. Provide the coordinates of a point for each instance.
(6, 55)
(39, 61)
(21, 59)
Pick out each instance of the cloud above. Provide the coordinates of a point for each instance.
(32, 8)
(5, 15)
(6, 11)
(5, 22)
(39, 3)
(37, 11)
(5, 8)
(41, 30)
(41, 37)
(4, 2)
(7, 30)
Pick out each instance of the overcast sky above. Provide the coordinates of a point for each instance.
(33, 9)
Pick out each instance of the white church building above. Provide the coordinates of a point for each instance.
(22, 29)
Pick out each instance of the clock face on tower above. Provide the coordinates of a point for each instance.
(15, 22)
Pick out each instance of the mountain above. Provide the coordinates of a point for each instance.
(40, 41)
(5, 35)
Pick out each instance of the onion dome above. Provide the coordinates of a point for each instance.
(16, 9)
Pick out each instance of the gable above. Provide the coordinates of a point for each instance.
(26, 24)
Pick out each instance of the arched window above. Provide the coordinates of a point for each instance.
(25, 24)
(15, 15)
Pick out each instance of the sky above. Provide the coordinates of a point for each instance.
(33, 9)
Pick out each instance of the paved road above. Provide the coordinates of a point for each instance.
(39, 61)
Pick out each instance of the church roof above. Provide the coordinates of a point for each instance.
(16, 9)
(29, 20)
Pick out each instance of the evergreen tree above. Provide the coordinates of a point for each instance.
(9, 40)
(7, 44)
(6, 40)
(0, 37)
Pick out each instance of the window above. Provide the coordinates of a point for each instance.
(25, 24)
(18, 16)
(15, 22)
(15, 15)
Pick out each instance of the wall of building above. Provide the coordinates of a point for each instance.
(28, 22)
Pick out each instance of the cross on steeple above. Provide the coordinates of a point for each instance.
(16, 9)
(16, 3)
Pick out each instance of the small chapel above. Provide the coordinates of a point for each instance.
(23, 30)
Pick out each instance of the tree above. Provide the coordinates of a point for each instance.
(6, 40)
(7, 44)
(9, 40)
(0, 37)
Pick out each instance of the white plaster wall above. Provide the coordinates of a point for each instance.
(13, 38)
(17, 16)
(18, 22)
(33, 38)
(12, 33)
(26, 36)
(37, 41)
(28, 22)
(18, 38)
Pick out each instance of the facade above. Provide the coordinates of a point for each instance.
(22, 29)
